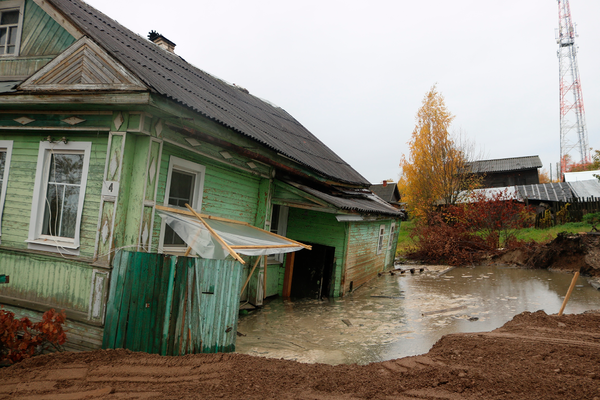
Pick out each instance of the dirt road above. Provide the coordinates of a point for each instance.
(534, 356)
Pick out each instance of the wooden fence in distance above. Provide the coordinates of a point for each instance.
(561, 212)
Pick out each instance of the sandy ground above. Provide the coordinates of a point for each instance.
(534, 356)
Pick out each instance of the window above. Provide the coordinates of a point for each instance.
(392, 235)
(5, 154)
(58, 195)
(185, 184)
(11, 22)
(381, 241)
(279, 217)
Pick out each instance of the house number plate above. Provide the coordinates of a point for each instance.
(110, 188)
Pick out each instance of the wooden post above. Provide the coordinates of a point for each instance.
(265, 279)
(289, 272)
(216, 236)
(250, 275)
(562, 308)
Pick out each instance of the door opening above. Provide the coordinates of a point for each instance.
(313, 272)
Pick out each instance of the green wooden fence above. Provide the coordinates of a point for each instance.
(172, 305)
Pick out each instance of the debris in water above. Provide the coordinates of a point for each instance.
(445, 310)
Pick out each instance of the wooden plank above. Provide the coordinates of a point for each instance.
(289, 272)
(168, 306)
(216, 235)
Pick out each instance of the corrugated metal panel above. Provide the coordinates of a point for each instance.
(589, 188)
(360, 201)
(172, 305)
(558, 191)
(505, 164)
(176, 79)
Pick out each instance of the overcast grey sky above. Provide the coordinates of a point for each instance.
(355, 72)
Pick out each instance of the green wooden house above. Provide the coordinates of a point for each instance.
(98, 125)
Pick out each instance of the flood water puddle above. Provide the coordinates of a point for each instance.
(404, 315)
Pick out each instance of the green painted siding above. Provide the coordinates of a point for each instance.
(19, 192)
(320, 228)
(228, 193)
(48, 279)
(42, 36)
(363, 263)
(42, 39)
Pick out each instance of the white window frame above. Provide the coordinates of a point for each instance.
(281, 230)
(381, 239)
(9, 6)
(392, 234)
(190, 167)
(6, 146)
(36, 240)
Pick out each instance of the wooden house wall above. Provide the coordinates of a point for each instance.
(362, 261)
(502, 179)
(321, 228)
(42, 39)
(49, 277)
(228, 193)
(19, 192)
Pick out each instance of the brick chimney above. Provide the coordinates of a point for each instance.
(162, 41)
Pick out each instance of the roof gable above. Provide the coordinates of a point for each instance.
(171, 76)
(83, 66)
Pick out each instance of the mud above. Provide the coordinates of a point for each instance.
(567, 252)
(534, 356)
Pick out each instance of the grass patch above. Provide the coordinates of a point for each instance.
(545, 235)
(537, 235)
(404, 239)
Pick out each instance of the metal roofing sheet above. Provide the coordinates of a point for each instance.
(557, 191)
(361, 202)
(585, 189)
(506, 164)
(173, 77)
(581, 176)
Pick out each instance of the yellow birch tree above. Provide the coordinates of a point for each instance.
(435, 170)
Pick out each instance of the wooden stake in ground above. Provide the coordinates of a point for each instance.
(562, 308)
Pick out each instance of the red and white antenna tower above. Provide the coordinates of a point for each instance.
(573, 132)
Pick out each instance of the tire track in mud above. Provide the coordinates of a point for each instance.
(125, 380)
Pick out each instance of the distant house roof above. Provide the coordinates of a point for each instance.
(388, 192)
(505, 164)
(581, 176)
(169, 75)
(558, 191)
(589, 188)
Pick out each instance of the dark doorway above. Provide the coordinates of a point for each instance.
(313, 270)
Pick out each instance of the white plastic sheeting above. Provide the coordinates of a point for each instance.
(200, 239)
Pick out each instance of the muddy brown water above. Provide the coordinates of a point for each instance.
(404, 315)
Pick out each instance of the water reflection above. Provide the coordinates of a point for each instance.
(403, 315)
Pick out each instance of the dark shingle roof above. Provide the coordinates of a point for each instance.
(389, 192)
(174, 78)
(506, 164)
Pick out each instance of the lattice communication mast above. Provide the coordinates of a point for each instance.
(573, 132)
